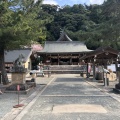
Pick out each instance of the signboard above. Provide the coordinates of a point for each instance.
(112, 67)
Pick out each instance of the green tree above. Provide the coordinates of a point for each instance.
(96, 25)
(20, 24)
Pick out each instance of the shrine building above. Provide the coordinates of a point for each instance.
(64, 51)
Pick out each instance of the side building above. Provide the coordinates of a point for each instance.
(12, 55)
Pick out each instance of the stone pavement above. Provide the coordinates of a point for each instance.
(8, 100)
(63, 97)
(107, 89)
(99, 84)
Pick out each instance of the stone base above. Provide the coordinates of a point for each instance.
(117, 88)
(100, 81)
(83, 75)
(24, 88)
(18, 78)
(19, 105)
(31, 83)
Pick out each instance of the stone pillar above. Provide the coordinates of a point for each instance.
(50, 60)
(117, 86)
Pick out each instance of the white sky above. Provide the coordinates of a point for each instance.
(71, 2)
(50, 2)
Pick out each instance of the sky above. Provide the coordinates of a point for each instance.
(72, 2)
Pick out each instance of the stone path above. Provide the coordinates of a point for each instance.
(8, 100)
(66, 97)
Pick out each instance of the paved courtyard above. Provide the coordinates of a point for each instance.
(63, 97)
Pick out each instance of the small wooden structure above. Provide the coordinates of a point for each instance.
(102, 56)
(12, 55)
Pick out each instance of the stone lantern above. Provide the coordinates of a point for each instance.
(18, 75)
(117, 86)
(19, 71)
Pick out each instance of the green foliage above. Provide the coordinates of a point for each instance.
(96, 25)
(28, 21)
(21, 23)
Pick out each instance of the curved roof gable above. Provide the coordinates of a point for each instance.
(64, 47)
(64, 37)
(12, 55)
(102, 53)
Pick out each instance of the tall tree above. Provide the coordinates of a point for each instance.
(21, 23)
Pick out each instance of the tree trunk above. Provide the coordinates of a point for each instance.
(4, 76)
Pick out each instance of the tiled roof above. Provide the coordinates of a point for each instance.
(12, 55)
(64, 47)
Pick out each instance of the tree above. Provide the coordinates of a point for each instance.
(94, 13)
(20, 24)
(96, 25)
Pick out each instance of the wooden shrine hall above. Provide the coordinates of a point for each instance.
(64, 51)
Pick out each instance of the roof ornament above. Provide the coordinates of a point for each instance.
(63, 35)
(62, 31)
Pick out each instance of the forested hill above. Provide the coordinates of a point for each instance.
(96, 25)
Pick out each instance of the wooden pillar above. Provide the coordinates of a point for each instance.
(71, 60)
(116, 65)
(58, 60)
(50, 59)
(94, 71)
(79, 60)
(87, 71)
(45, 58)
